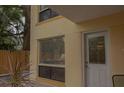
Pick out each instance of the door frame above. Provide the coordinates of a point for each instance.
(83, 46)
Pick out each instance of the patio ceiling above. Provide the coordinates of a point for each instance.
(79, 13)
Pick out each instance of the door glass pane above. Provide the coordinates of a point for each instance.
(97, 50)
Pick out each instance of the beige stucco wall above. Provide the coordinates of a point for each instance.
(117, 49)
(74, 57)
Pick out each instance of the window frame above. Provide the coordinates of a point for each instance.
(49, 65)
(40, 8)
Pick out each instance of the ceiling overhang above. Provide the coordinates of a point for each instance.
(79, 13)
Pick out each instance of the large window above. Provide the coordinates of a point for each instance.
(52, 58)
(46, 13)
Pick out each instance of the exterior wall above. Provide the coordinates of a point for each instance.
(117, 49)
(74, 57)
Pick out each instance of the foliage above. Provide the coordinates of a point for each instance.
(12, 23)
(11, 26)
(17, 72)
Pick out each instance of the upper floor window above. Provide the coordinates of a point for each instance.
(46, 13)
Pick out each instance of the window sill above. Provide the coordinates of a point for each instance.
(52, 65)
(49, 20)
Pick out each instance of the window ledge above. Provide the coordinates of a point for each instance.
(52, 65)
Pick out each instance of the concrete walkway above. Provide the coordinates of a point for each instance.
(4, 83)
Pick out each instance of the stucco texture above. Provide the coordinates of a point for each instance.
(74, 48)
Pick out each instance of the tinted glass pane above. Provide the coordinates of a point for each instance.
(46, 14)
(45, 72)
(97, 50)
(53, 73)
(52, 51)
(58, 74)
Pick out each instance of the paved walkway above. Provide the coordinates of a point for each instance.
(4, 83)
(27, 84)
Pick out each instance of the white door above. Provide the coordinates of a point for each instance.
(96, 62)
